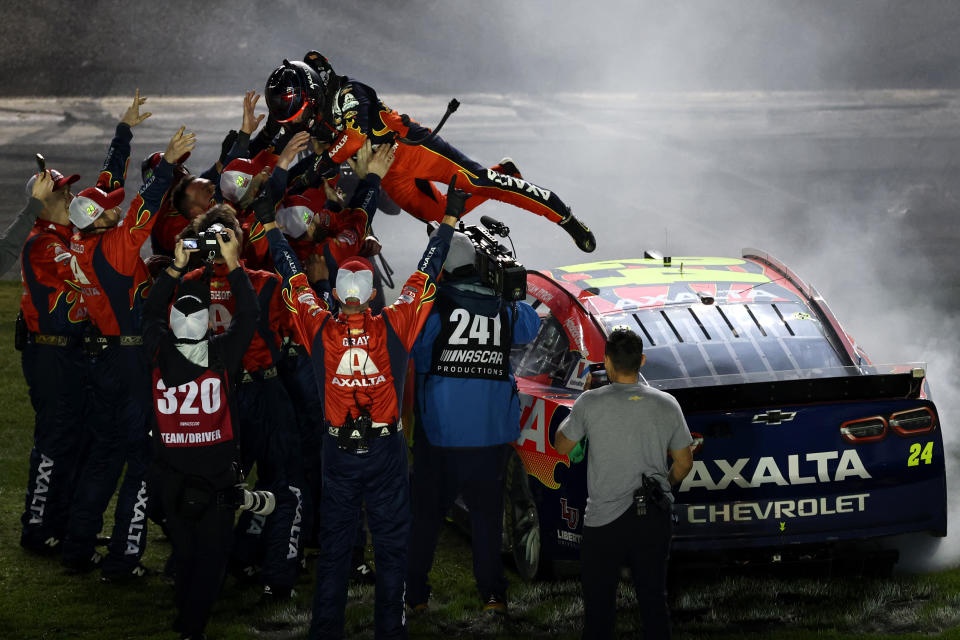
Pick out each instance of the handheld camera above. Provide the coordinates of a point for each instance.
(496, 265)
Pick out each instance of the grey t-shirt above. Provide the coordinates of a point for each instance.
(630, 427)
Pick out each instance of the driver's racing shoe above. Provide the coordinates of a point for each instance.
(580, 233)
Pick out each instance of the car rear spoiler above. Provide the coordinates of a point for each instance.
(885, 386)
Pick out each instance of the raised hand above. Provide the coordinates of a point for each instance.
(298, 143)
(181, 143)
(42, 187)
(132, 116)
(250, 120)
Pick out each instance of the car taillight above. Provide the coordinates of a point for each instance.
(864, 429)
(913, 421)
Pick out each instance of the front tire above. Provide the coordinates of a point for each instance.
(521, 521)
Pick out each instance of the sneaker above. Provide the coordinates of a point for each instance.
(273, 594)
(127, 575)
(508, 168)
(580, 233)
(102, 541)
(363, 574)
(495, 604)
(83, 566)
(49, 547)
(246, 575)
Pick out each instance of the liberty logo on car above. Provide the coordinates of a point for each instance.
(570, 515)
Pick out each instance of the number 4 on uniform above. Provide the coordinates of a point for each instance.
(920, 452)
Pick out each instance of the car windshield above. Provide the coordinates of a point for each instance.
(750, 342)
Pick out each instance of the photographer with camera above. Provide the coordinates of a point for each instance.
(631, 428)
(196, 452)
(467, 414)
(266, 423)
(360, 360)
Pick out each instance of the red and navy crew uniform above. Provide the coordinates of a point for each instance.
(358, 114)
(55, 369)
(113, 279)
(360, 361)
(345, 231)
(268, 433)
(170, 222)
(196, 446)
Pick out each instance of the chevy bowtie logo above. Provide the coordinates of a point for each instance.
(774, 416)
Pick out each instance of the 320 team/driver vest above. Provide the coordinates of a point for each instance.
(194, 427)
(471, 345)
(194, 414)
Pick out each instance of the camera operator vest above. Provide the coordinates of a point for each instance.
(471, 345)
(194, 414)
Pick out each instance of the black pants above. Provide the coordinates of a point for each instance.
(55, 377)
(201, 548)
(641, 542)
(440, 474)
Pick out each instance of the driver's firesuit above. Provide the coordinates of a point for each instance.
(358, 114)
(360, 360)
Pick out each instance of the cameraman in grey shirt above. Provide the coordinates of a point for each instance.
(630, 428)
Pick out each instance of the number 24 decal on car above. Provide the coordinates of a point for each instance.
(917, 454)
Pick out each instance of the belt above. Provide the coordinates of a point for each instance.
(259, 374)
(110, 341)
(377, 429)
(52, 340)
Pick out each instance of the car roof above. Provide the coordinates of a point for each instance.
(611, 286)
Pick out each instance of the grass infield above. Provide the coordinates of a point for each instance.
(38, 600)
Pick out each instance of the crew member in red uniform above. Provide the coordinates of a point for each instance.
(197, 453)
(53, 361)
(310, 95)
(319, 236)
(360, 360)
(112, 279)
(266, 421)
(192, 195)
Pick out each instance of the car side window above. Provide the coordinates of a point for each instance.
(548, 354)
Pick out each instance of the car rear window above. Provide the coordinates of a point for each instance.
(756, 341)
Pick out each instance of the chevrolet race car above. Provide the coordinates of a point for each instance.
(799, 440)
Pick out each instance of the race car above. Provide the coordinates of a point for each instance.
(800, 442)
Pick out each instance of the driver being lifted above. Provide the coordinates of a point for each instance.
(309, 95)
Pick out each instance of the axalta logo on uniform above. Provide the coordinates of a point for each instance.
(358, 382)
(339, 145)
(767, 471)
(517, 183)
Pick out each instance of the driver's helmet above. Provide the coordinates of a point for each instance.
(293, 90)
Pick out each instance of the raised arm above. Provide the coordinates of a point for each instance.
(232, 344)
(11, 243)
(113, 174)
(409, 313)
(122, 244)
(309, 312)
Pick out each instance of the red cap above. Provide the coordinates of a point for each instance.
(237, 175)
(90, 204)
(59, 181)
